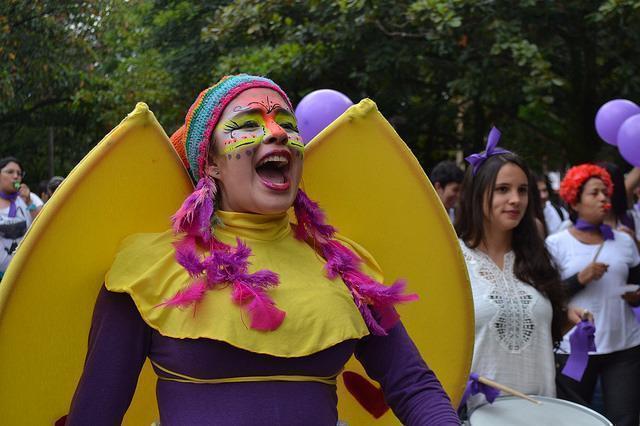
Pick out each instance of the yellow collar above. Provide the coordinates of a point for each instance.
(249, 226)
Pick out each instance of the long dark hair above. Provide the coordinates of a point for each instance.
(619, 203)
(6, 160)
(533, 264)
(538, 208)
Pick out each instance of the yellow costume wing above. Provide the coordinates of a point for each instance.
(132, 181)
(375, 192)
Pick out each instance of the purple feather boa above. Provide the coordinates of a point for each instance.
(374, 300)
(225, 265)
(228, 265)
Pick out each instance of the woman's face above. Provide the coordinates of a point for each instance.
(257, 154)
(594, 201)
(10, 175)
(510, 199)
(544, 191)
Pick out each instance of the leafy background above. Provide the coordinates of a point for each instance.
(441, 71)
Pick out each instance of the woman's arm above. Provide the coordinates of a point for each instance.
(411, 389)
(576, 282)
(118, 345)
(631, 182)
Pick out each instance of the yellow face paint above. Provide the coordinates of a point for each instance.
(247, 129)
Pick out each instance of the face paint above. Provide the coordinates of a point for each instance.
(258, 154)
(249, 128)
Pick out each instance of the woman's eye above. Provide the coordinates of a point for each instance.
(249, 125)
(502, 189)
(289, 126)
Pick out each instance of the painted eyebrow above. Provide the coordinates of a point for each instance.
(250, 111)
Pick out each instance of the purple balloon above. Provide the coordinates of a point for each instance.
(629, 140)
(610, 117)
(318, 109)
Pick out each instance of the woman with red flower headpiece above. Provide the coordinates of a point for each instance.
(597, 263)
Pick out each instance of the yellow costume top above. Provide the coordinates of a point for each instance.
(319, 312)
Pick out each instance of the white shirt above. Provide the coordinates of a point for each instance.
(616, 326)
(555, 222)
(35, 200)
(22, 214)
(513, 343)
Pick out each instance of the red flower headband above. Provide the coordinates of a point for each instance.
(576, 177)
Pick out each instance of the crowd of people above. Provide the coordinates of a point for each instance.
(541, 263)
(18, 207)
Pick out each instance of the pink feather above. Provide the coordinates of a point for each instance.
(192, 294)
(194, 216)
(264, 314)
(241, 294)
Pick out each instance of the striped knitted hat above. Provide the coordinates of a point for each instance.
(191, 140)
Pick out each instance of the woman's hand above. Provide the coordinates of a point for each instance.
(25, 193)
(594, 271)
(632, 297)
(575, 314)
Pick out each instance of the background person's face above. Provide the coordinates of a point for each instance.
(594, 201)
(9, 176)
(510, 199)
(258, 154)
(544, 191)
(448, 194)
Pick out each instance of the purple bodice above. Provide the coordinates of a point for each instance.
(120, 341)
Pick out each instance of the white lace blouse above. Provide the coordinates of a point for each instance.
(513, 343)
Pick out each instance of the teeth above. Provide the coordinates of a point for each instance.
(274, 158)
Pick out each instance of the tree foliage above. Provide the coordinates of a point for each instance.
(442, 71)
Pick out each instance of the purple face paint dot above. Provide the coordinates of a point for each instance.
(229, 156)
(238, 156)
(249, 152)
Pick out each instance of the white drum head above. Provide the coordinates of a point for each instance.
(509, 411)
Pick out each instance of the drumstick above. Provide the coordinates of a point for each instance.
(506, 389)
(597, 253)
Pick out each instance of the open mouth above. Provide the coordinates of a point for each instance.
(273, 170)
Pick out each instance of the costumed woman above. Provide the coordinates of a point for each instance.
(248, 319)
(16, 209)
(519, 305)
(596, 263)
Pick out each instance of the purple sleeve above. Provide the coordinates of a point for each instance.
(118, 345)
(411, 388)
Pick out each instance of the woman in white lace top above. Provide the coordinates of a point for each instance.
(519, 305)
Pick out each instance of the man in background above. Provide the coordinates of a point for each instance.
(446, 178)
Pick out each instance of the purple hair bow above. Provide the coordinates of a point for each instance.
(476, 160)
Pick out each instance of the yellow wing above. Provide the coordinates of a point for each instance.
(132, 181)
(375, 192)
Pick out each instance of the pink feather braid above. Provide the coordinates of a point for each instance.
(374, 300)
(225, 265)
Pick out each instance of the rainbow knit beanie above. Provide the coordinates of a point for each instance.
(191, 140)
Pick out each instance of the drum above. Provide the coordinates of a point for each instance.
(510, 410)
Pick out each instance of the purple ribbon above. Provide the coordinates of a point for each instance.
(582, 342)
(475, 387)
(605, 230)
(476, 160)
(13, 210)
